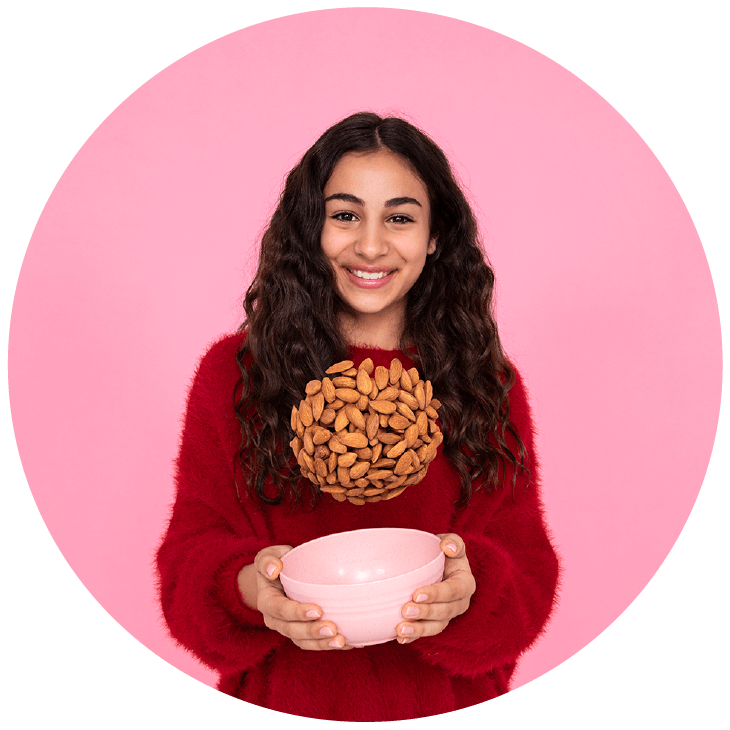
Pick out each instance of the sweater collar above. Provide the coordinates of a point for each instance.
(359, 353)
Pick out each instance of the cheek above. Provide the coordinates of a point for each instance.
(332, 242)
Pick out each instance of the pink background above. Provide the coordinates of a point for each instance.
(142, 253)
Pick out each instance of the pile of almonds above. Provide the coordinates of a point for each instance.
(366, 433)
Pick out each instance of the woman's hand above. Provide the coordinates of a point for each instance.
(260, 586)
(434, 606)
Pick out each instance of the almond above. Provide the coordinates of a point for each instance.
(305, 413)
(336, 445)
(354, 440)
(405, 381)
(408, 399)
(347, 459)
(332, 462)
(340, 367)
(371, 426)
(343, 475)
(419, 393)
(356, 500)
(367, 366)
(328, 390)
(403, 464)
(294, 418)
(404, 410)
(382, 377)
(354, 416)
(333, 490)
(312, 387)
(328, 417)
(397, 450)
(382, 406)
(320, 435)
(342, 420)
(359, 470)
(317, 405)
(363, 382)
(396, 368)
(342, 382)
(320, 468)
(389, 393)
(308, 442)
(398, 422)
(411, 435)
(348, 395)
(380, 474)
(415, 377)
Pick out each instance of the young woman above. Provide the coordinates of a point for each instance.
(373, 253)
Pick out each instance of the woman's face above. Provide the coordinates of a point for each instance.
(376, 233)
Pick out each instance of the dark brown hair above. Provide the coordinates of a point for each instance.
(292, 307)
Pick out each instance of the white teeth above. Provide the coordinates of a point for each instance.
(369, 275)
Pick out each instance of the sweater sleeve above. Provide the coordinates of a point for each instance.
(514, 565)
(210, 538)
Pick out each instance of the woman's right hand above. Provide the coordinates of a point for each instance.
(297, 621)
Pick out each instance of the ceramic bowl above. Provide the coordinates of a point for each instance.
(361, 579)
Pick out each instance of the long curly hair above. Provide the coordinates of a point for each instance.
(292, 309)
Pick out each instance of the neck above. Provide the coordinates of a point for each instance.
(372, 331)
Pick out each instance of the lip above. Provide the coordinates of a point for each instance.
(369, 283)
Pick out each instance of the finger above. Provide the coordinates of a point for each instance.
(457, 586)
(272, 601)
(434, 611)
(268, 561)
(452, 545)
(335, 644)
(408, 632)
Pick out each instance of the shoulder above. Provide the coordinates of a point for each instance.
(217, 369)
(520, 411)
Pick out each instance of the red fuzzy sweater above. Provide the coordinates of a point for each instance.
(211, 536)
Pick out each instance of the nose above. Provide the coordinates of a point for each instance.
(371, 241)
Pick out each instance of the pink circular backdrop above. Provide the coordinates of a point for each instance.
(148, 241)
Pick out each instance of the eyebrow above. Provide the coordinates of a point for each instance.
(392, 203)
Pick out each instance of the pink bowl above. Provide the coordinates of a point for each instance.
(362, 579)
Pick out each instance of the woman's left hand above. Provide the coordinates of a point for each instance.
(434, 606)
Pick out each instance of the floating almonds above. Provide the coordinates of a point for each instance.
(365, 434)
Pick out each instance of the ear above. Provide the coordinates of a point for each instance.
(431, 246)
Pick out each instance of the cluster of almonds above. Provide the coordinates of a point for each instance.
(366, 433)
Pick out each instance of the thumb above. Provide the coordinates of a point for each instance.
(268, 561)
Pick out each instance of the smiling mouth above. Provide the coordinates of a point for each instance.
(369, 275)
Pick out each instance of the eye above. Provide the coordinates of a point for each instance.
(400, 219)
(344, 216)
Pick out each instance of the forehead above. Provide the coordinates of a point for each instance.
(377, 175)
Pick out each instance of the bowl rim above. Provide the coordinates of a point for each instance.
(430, 563)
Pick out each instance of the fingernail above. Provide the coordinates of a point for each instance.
(326, 631)
(271, 569)
(312, 613)
(411, 611)
(451, 546)
(421, 597)
(406, 630)
(403, 641)
(334, 644)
